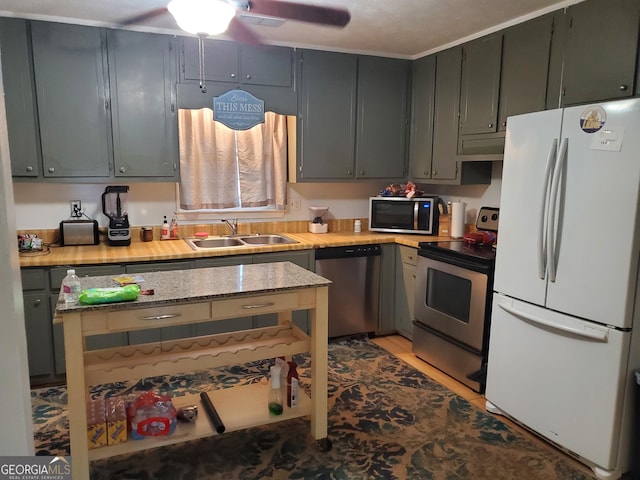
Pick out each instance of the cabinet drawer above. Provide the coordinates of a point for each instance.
(408, 255)
(170, 315)
(260, 304)
(33, 279)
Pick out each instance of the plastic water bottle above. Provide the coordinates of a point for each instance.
(71, 287)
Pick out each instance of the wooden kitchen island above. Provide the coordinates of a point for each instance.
(187, 297)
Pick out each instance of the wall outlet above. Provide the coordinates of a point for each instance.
(76, 208)
(294, 204)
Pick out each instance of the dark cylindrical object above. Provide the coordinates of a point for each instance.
(211, 412)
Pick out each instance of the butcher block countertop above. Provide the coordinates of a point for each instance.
(159, 250)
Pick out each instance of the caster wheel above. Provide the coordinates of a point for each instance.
(324, 445)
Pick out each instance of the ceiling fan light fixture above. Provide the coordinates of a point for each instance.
(202, 17)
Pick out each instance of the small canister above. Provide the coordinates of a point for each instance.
(357, 226)
(146, 234)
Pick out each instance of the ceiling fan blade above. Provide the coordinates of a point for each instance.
(143, 17)
(239, 32)
(304, 13)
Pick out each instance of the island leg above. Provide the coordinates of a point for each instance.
(319, 352)
(76, 395)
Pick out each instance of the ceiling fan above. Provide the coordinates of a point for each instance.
(212, 17)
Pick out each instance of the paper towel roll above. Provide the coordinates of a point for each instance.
(457, 219)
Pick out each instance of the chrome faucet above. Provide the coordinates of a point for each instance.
(233, 225)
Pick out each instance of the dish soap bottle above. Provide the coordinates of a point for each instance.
(275, 393)
(164, 232)
(71, 287)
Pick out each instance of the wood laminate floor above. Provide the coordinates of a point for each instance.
(401, 348)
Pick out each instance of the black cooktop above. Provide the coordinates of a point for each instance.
(462, 249)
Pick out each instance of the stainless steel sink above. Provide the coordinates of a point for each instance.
(245, 240)
(266, 239)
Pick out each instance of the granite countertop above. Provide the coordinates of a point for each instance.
(203, 284)
(159, 250)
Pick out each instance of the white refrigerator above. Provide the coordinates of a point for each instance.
(565, 339)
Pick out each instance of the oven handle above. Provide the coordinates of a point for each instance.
(455, 261)
(597, 335)
(542, 228)
(551, 227)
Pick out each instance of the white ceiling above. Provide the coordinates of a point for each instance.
(394, 28)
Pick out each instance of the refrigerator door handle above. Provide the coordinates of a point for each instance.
(592, 334)
(542, 228)
(553, 200)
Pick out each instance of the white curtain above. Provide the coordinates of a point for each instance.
(224, 168)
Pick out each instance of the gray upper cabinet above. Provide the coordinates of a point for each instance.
(525, 68)
(234, 63)
(480, 85)
(73, 100)
(327, 122)
(381, 139)
(600, 61)
(423, 89)
(353, 117)
(143, 77)
(17, 77)
(503, 74)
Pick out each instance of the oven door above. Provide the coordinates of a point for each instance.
(451, 298)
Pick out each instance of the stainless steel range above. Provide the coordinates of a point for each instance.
(454, 283)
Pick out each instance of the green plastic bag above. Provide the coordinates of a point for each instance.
(93, 296)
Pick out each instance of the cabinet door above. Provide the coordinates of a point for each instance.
(37, 318)
(17, 78)
(220, 60)
(525, 67)
(387, 288)
(602, 50)
(421, 136)
(266, 65)
(381, 150)
(328, 114)
(72, 95)
(143, 104)
(480, 85)
(445, 115)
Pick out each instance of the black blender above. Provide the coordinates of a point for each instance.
(114, 206)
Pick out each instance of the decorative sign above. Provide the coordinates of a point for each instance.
(593, 119)
(238, 110)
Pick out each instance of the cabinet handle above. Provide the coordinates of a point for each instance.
(435, 173)
(29, 168)
(258, 305)
(623, 88)
(504, 124)
(51, 169)
(37, 302)
(361, 172)
(248, 77)
(162, 317)
(425, 173)
(348, 172)
(122, 169)
(233, 75)
(490, 125)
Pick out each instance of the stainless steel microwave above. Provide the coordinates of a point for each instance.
(404, 215)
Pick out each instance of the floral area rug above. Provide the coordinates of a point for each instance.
(386, 421)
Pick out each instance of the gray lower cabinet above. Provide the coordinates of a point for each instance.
(405, 275)
(56, 274)
(143, 77)
(386, 313)
(165, 333)
(19, 87)
(601, 55)
(72, 88)
(38, 326)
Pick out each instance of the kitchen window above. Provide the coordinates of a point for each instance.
(225, 170)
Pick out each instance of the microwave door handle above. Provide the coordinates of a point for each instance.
(555, 191)
(416, 210)
(544, 212)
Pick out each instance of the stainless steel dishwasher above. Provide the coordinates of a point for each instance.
(355, 291)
